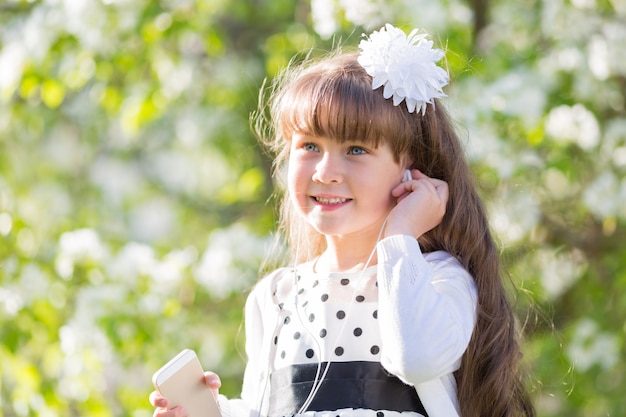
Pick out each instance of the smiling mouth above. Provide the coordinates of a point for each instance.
(331, 201)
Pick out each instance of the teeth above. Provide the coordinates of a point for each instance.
(325, 200)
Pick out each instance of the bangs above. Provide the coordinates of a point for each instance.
(338, 103)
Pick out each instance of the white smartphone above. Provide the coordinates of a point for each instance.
(181, 381)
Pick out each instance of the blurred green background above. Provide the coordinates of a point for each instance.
(136, 206)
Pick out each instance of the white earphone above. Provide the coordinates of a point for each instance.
(407, 175)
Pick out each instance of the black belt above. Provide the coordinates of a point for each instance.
(356, 385)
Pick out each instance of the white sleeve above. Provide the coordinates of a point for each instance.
(427, 310)
(255, 371)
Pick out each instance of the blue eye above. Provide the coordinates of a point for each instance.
(310, 147)
(356, 150)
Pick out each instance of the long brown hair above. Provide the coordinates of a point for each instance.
(334, 98)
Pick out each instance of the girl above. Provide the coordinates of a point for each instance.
(393, 303)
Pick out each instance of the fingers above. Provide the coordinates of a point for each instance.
(419, 175)
(212, 380)
(160, 403)
(157, 401)
(174, 412)
(421, 205)
(435, 186)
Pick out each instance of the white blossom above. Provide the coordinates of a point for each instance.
(573, 124)
(6, 224)
(87, 352)
(613, 146)
(590, 346)
(517, 94)
(118, 180)
(77, 246)
(229, 259)
(615, 34)
(81, 244)
(599, 58)
(514, 215)
(33, 282)
(606, 196)
(152, 220)
(11, 301)
(367, 13)
(559, 270)
(13, 57)
(133, 260)
(169, 271)
(323, 13)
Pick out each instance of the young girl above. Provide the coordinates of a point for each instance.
(393, 302)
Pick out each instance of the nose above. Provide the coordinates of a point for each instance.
(328, 170)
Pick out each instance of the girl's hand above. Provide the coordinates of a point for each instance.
(421, 206)
(211, 380)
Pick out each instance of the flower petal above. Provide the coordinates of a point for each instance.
(405, 65)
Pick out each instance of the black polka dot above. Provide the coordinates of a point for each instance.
(296, 335)
(324, 297)
(283, 354)
(376, 283)
(306, 303)
(375, 314)
(345, 281)
(281, 305)
(287, 320)
(275, 340)
(315, 283)
(338, 351)
(374, 350)
(380, 414)
(301, 291)
(358, 332)
(311, 317)
(341, 314)
(309, 353)
(360, 298)
(323, 333)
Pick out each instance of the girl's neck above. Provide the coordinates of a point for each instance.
(346, 256)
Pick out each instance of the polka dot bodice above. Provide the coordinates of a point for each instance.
(328, 336)
(327, 317)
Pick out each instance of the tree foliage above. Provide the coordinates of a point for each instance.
(136, 205)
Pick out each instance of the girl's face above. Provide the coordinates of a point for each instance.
(342, 189)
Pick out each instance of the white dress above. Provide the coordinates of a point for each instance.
(383, 342)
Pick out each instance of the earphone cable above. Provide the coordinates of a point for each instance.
(317, 383)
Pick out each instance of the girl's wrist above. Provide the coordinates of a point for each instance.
(392, 229)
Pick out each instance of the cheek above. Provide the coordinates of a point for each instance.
(294, 177)
(297, 188)
(386, 187)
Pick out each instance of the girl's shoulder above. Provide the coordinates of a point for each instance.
(275, 274)
(447, 268)
(268, 283)
(441, 256)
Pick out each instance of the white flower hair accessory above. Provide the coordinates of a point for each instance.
(405, 66)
